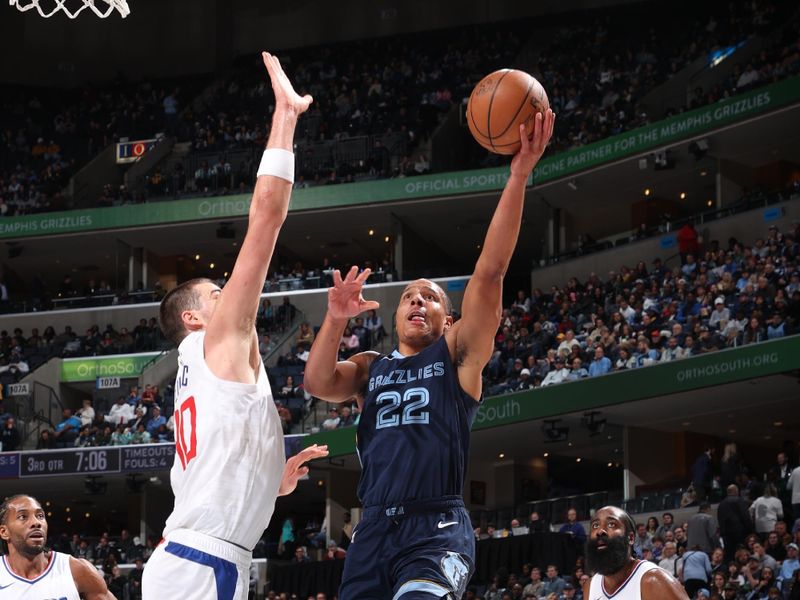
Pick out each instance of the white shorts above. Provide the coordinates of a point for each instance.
(188, 565)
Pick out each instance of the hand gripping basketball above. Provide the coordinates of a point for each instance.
(534, 146)
(285, 96)
(344, 298)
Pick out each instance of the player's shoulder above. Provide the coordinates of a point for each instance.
(80, 567)
(86, 576)
(658, 583)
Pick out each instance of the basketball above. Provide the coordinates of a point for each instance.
(499, 103)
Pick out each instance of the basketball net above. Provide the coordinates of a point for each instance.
(54, 6)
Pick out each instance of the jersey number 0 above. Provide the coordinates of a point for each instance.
(186, 448)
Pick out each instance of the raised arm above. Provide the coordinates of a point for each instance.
(89, 582)
(326, 377)
(482, 304)
(231, 346)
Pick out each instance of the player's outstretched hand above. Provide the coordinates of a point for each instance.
(285, 96)
(295, 469)
(533, 146)
(344, 298)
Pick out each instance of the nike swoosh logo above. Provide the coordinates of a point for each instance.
(2, 587)
(441, 525)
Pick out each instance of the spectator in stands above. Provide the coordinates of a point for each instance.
(346, 419)
(121, 436)
(642, 541)
(84, 551)
(702, 473)
(734, 521)
(85, 413)
(688, 241)
(669, 559)
(333, 420)
(766, 510)
(117, 582)
(155, 422)
(140, 435)
(558, 375)
(286, 313)
(667, 524)
(601, 364)
(789, 567)
(535, 588)
(695, 570)
(10, 437)
(754, 332)
(135, 578)
(374, 325)
(553, 584)
(120, 412)
(774, 547)
(536, 524)
(702, 529)
(764, 559)
(573, 527)
(305, 336)
(67, 430)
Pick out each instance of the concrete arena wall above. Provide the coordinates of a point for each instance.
(184, 37)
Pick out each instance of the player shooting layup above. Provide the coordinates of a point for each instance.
(229, 466)
(415, 540)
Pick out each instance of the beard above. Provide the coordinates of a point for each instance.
(617, 552)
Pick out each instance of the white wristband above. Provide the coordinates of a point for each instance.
(278, 163)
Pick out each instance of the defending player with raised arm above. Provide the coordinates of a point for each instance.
(30, 570)
(230, 462)
(417, 407)
(616, 574)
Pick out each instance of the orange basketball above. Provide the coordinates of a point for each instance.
(499, 103)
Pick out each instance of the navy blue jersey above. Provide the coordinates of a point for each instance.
(413, 434)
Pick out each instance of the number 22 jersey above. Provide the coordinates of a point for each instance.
(413, 433)
(229, 451)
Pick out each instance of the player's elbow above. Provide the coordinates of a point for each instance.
(490, 271)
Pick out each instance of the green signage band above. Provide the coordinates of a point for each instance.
(726, 366)
(649, 137)
(88, 369)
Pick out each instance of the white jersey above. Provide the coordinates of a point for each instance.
(631, 588)
(229, 451)
(55, 582)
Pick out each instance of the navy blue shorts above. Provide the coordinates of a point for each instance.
(412, 550)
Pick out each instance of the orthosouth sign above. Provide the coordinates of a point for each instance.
(89, 369)
(630, 143)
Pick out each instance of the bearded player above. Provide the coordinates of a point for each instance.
(229, 464)
(415, 540)
(617, 574)
(30, 570)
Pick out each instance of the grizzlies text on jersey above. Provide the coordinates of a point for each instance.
(413, 434)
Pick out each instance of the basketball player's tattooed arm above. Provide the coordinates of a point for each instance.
(471, 339)
(231, 346)
(326, 377)
(660, 585)
(90, 584)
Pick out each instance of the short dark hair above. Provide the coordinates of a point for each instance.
(4, 515)
(179, 299)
